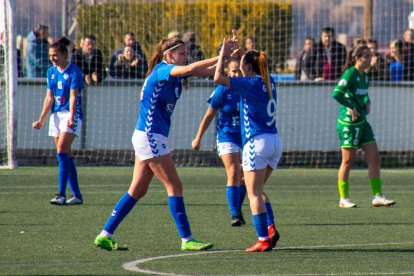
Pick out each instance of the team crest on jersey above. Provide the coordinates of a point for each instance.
(65, 76)
(342, 82)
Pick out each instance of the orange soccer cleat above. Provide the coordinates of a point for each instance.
(261, 246)
(273, 234)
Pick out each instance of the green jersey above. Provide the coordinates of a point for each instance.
(352, 92)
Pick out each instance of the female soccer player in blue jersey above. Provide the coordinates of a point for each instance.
(353, 129)
(160, 92)
(262, 147)
(229, 142)
(63, 99)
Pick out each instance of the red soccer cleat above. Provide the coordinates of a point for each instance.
(261, 246)
(273, 234)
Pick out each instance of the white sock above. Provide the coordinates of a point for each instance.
(186, 239)
(105, 234)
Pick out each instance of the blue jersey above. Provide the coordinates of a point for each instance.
(257, 111)
(60, 83)
(228, 121)
(158, 98)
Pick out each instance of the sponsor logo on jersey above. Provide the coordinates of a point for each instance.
(362, 91)
(342, 82)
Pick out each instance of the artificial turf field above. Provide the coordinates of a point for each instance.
(317, 238)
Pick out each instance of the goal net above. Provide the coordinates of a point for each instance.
(306, 114)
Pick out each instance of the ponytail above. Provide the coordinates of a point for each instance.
(264, 72)
(162, 48)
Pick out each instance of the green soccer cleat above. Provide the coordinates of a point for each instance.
(195, 245)
(108, 243)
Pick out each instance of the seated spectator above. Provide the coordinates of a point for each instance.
(305, 66)
(37, 52)
(330, 56)
(127, 65)
(129, 40)
(194, 50)
(90, 60)
(395, 61)
(408, 55)
(378, 69)
(250, 44)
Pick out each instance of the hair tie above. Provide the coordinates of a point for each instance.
(171, 48)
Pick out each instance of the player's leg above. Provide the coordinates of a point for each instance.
(231, 163)
(164, 169)
(348, 157)
(141, 179)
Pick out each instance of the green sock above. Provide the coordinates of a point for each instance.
(376, 186)
(343, 187)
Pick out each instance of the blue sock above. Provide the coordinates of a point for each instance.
(259, 222)
(177, 210)
(73, 179)
(242, 189)
(233, 194)
(63, 159)
(121, 210)
(270, 215)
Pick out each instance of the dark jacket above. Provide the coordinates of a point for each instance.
(380, 70)
(89, 66)
(306, 63)
(408, 61)
(142, 67)
(333, 70)
(122, 69)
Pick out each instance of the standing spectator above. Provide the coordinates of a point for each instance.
(194, 50)
(37, 52)
(250, 43)
(378, 67)
(305, 67)
(353, 129)
(176, 34)
(130, 40)
(408, 55)
(64, 101)
(90, 60)
(395, 61)
(127, 65)
(160, 93)
(330, 56)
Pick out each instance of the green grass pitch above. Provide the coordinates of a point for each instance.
(317, 238)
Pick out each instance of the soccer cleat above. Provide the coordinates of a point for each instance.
(108, 243)
(195, 245)
(261, 246)
(241, 218)
(379, 201)
(58, 200)
(235, 221)
(74, 201)
(273, 234)
(346, 203)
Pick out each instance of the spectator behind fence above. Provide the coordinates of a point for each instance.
(90, 60)
(194, 50)
(395, 59)
(141, 67)
(37, 52)
(127, 65)
(305, 66)
(250, 44)
(174, 34)
(408, 55)
(330, 56)
(378, 69)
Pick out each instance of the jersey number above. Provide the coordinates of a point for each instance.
(271, 111)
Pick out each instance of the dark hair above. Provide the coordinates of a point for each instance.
(355, 53)
(129, 33)
(158, 54)
(258, 61)
(328, 30)
(372, 41)
(40, 28)
(61, 45)
(232, 59)
(89, 36)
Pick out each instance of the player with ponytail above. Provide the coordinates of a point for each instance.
(159, 95)
(262, 147)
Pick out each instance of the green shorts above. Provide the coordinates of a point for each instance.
(355, 135)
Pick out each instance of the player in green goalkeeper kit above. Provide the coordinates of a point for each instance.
(354, 130)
